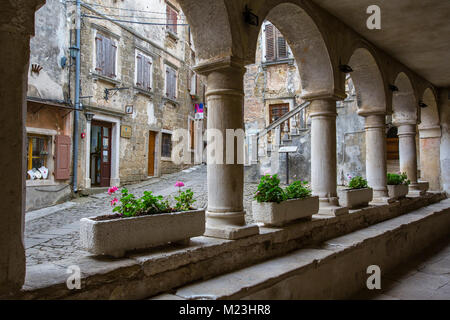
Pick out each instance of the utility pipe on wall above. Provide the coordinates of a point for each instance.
(77, 96)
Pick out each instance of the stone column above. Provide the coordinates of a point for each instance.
(430, 169)
(376, 167)
(16, 27)
(444, 116)
(225, 215)
(323, 155)
(408, 154)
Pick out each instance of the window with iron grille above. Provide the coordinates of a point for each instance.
(172, 18)
(143, 71)
(166, 145)
(106, 53)
(171, 83)
(276, 47)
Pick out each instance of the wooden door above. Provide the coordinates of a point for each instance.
(151, 153)
(105, 167)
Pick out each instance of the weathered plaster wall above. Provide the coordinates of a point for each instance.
(48, 47)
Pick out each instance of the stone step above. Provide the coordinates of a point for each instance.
(336, 269)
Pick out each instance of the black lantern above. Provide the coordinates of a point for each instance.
(393, 88)
(89, 116)
(345, 68)
(250, 17)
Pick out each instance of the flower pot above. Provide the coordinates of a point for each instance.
(114, 237)
(355, 198)
(397, 191)
(278, 214)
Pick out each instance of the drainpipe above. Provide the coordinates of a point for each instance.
(77, 97)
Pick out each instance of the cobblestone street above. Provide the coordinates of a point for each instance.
(53, 233)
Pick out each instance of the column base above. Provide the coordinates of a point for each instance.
(379, 201)
(417, 189)
(231, 232)
(330, 207)
(228, 225)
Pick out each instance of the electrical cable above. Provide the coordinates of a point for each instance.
(136, 22)
(124, 9)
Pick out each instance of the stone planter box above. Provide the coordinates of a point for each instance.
(355, 198)
(114, 237)
(278, 214)
(397, 191)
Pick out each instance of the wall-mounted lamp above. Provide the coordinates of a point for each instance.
(422, 104)
(345, 68)
(393, 88)
(73, 52)
(250, 17)
(89, 116)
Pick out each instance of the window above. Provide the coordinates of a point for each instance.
(278, 110)
(166, 145)
(171, 83)
(276, 47)
(172, 17)
(38, 151)
(106, 52)
(143, 72)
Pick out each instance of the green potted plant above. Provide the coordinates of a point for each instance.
(274, 206)
(357, 195)
(139, 223)
(397, 184)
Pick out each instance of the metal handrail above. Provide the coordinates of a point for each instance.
(283, 118)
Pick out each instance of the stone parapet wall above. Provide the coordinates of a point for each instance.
(148, 273)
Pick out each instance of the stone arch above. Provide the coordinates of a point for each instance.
(210, 27)
(429, 116)
(368, 81)
(429, 142)
(404, 101)
(305, 37)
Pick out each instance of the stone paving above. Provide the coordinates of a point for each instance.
(52, 234)
(427, 277)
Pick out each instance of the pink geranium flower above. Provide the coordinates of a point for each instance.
(114, 201)
(112, 190)
(179, 184)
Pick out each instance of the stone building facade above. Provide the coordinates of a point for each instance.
(151, 91)
(137, 88)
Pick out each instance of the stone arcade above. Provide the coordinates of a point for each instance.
(323, 36)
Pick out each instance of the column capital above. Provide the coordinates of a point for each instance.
(324, 107)
(375, 120)
(222, 64)
(324, 95)
(406, 129)
(430, 132)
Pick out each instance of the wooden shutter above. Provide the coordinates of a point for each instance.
(99, 53)
(139, 76)
(113, 48)
(167, 81)
(106, 57)
(270, 42)
(172, 17)
(148, 78)
(174, 84)
(62, 157)
(281, 46)
(192, 133)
